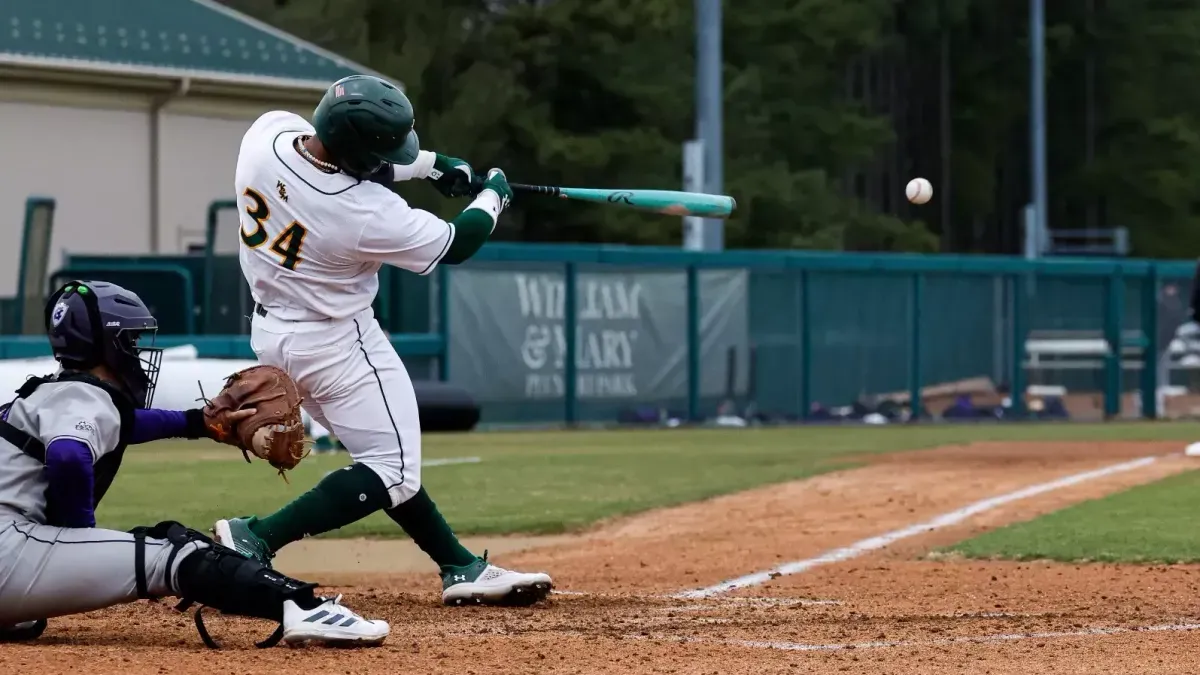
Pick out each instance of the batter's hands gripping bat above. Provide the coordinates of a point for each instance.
(668, 202)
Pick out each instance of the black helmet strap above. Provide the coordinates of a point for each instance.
(93, 310)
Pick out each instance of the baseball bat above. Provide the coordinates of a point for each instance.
(667, 202)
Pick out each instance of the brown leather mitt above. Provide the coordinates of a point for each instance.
(275, 432)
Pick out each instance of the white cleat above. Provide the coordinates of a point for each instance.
(482, 583)
(332, 624)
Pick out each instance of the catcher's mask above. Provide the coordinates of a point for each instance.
(96, 323)
(365, 122)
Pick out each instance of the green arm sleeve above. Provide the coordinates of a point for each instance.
(472, 228)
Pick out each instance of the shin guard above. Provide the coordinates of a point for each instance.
(214, 576)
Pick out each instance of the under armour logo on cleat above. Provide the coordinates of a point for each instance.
(460, 577)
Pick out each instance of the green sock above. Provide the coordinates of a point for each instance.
(422, 521)
(343, 497)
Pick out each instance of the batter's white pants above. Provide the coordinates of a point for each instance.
(353, 384)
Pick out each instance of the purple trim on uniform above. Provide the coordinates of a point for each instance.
(71, 478)
(154, 424)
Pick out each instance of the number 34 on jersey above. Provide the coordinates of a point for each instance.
(287, 244)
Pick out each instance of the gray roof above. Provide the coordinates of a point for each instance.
(200, 39)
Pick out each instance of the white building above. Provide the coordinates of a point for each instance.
(131, 120)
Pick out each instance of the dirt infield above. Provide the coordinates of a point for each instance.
(845, 589)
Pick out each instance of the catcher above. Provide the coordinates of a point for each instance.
(61, 445)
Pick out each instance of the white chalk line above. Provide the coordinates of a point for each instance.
(945, 520)
(708, 603)
(750, 602)
(941, 642)
(446, 461)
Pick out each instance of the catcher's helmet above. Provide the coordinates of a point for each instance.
(364, 121)
(95, 323)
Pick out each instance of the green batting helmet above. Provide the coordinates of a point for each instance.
(364, 121)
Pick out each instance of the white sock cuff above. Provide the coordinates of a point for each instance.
(489, 202)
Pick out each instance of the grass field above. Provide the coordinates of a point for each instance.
(549, 482)
(1149, 523)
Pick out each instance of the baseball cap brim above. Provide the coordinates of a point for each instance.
(407, 152)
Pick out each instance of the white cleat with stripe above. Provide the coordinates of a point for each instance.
(331, 623)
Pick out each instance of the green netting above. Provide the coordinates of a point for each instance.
(10, 322)
(861, 331)
(1066, 305)
(964, 329)
(192, 301)
(405, 301)
(775, 333)
(860, 335)
(231, 305)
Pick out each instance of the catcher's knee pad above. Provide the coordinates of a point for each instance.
(223, 579)
(218, 577)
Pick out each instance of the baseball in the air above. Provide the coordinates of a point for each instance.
(919, 191)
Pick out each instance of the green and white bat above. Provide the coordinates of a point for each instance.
(668, 202)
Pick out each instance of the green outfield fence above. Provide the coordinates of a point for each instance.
(823, 327)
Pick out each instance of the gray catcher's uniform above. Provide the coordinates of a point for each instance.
(51, 571)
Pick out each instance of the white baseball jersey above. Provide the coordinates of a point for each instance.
(312, 242)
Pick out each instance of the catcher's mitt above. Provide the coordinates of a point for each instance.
(275, 432)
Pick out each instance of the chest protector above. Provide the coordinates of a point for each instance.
(108, 465)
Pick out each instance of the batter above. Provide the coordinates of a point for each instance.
(319, 220)
(61, 444)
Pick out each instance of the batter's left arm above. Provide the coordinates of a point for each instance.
(417, 240)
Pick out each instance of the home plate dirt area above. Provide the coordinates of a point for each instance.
(828, 574)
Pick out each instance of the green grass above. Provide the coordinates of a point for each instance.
(1149, 523)
(551, 481)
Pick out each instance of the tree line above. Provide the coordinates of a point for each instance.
(831, 106)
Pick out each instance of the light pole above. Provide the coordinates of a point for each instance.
(709, 111)
(1038, 228)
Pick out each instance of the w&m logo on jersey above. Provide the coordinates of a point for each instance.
(282, 190)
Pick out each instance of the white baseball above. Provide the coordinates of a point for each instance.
(919, 191)
(262, 437)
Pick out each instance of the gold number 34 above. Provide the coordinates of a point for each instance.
(287, 244)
